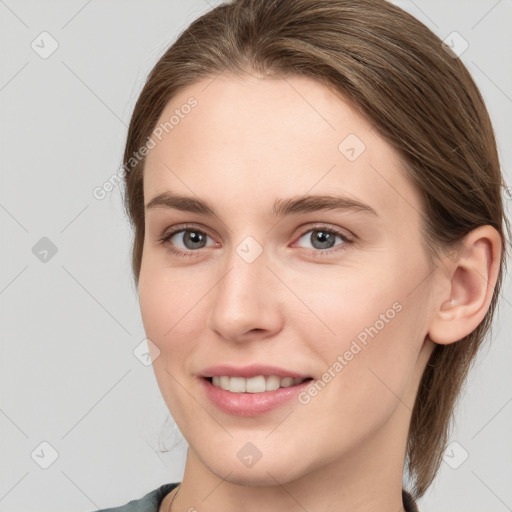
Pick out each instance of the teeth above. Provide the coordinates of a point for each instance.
(257, 384)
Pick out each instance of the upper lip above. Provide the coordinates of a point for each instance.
(249, 371)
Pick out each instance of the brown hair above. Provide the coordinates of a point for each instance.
(420, 98)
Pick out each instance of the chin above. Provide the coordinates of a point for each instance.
(267, 471)
(265, 477)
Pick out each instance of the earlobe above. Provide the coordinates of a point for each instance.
(472, 277)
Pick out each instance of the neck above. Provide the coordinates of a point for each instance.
(366, 479)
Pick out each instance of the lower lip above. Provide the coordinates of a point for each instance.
(250, 404)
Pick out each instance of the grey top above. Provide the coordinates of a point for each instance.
(148, 503)
(152, 500)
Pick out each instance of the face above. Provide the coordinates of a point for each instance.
(252, 271)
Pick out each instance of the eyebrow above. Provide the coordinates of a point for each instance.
(281, 207)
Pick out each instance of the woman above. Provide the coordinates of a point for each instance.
(319, 244)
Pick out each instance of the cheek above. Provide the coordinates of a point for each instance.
(156, 305)
(174, 307)
(372, 326)
(169, 300)
(368, 365)
(346, 303)
(170, 307)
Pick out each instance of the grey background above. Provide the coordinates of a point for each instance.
(70, 324)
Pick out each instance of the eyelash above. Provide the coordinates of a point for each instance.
(314, 252)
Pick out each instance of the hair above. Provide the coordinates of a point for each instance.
(417, 94)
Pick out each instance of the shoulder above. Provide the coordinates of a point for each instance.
(150, 502)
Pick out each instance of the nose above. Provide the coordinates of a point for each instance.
(247, 301)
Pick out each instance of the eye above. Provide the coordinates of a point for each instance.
(185, 241)
(323, 239)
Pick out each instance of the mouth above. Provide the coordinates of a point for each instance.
(256, 384)
(254, 395)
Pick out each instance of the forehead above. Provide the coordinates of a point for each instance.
(255, 137)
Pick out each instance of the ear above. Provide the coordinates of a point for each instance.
(468, 288)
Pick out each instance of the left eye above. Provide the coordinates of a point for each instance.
(191, 239)
(322, 238)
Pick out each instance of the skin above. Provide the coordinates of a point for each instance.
(248, 142)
